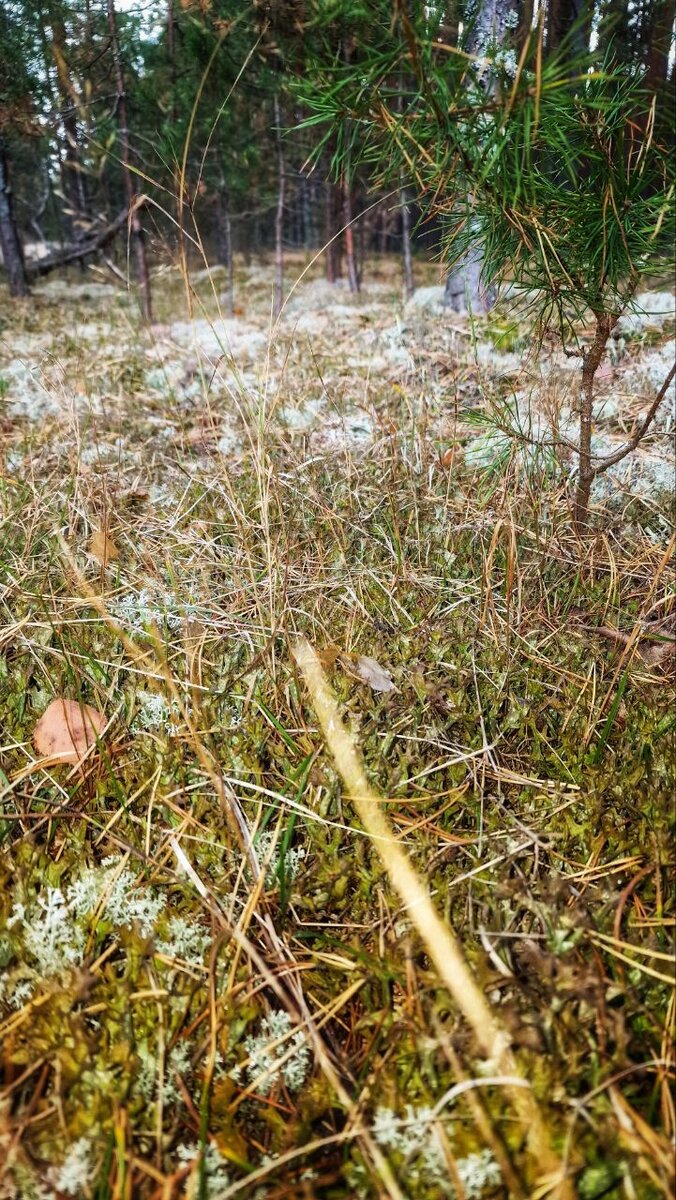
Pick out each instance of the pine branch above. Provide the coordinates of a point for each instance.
(640, 433)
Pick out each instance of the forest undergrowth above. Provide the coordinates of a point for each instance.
(210, 983)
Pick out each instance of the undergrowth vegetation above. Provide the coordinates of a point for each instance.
(187, 1012)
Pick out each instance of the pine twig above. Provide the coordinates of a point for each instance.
(640, 433)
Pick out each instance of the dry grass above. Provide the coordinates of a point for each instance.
(525, 759)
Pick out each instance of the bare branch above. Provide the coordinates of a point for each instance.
(640, 433)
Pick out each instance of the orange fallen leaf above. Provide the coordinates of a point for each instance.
(328, 656)
(102, 548)
(67, 729)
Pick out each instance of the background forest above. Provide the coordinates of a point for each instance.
(337, 670)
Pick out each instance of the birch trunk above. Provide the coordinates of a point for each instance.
(464, 289)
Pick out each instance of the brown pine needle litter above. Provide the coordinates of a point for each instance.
(432, 959)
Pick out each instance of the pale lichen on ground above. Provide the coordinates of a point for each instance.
(393, 482)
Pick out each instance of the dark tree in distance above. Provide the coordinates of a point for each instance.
(136, 227)
(12, 253)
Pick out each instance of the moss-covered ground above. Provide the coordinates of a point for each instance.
(151, 978)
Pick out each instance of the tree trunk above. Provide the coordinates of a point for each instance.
(591, 362)
(12, 253)
(409, 286)
(464, 289)
(330, 251)
(72, 175)
(306, 210)
(658, 39)
(569, 18)
(224, 244)
(123, 127)
(384, 229)
(278, 295)
(350, 257)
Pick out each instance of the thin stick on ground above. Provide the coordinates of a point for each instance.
(437, 936)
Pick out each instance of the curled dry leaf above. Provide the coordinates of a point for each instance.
(328, 656)
(370, 670)
(102, 548)
(67, 729)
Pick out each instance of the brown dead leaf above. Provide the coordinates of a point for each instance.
(370, 671)
(328, 656)
(102, 548)
(67, 729)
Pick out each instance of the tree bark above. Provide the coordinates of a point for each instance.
(659, 37)
(331, 249)
(350, 256)
(464, 289)
(306, 212)
(12, 253)
(224, 244)
(279, 216)
(72, 176)
(569, 18)
(409, 286)
(384, 229)
(132, 195)
(591, 361)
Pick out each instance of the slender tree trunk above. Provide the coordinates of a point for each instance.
(279, 216)
(329, 232)
(591, 362)
(338, 222)
(350, 257)
(72, 175)
(409, 286)
(313, 229)
(306, 210)
(384, 230)
(12, 254)
(224, 244)
(123, 127)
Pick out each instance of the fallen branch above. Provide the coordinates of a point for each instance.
(83, 249)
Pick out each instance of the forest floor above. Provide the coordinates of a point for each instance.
(179, 506)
